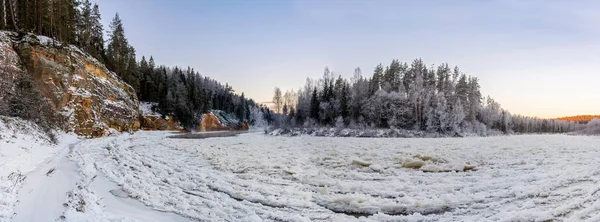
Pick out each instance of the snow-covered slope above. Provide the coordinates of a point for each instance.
(22, 148)
(40, 182)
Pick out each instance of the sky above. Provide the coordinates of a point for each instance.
(535, 57)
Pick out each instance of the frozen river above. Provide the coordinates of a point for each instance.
(254, 177)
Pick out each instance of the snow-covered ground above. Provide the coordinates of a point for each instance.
(40, 182)
(254, 177)
(22, 148)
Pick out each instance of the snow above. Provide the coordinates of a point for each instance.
(40, 182)
(258, 177)
(46, 40)
(45, 189)
(148, 176)
(591, 128)
(226, 119)
(22, 148)
(146, 109)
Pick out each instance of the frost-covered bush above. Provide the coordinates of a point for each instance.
(591, 128)
(339, 122)
(26, 102)
(309, 123)
(257, 118)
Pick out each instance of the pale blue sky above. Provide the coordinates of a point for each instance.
(535, 57)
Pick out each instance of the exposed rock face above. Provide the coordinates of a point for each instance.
(210, 122)
(9, 65)
(242, 126)
(159, 123)
(91, 98)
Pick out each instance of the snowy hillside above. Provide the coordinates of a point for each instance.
(39, 182)
(22, 148)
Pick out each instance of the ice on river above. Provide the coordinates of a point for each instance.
(253, 177)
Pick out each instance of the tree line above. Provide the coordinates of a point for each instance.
(186, 94)
(580, 118)
(182, 93)
(413, 96)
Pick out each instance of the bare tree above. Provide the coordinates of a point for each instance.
(278, 100)
(291, 99)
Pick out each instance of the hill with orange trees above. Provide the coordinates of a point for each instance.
(580, 118)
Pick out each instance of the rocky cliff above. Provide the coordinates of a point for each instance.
(90, 97)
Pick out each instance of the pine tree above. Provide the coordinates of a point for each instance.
(12, 22)
(121, 56)
(65, 15)
(344, 110)
(132, 76)
(416, 93)
(474, 97)
(2, 15)
(96, 47)
(25, 15)
(84, 27)
(462, 91)
(375, 84)
(314, 105)
(242, 108)
(393, 75)
(145, 80)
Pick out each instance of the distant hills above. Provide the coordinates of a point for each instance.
(580, 118)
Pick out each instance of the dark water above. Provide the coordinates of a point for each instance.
(204, 135)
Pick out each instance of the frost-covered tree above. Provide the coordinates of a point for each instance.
(257, 117)
(474, 98)
(491, 113)
(416, 93)
(358, 95)
(277, 99)
(457, 116)
(375, 83)
(438, 116)
(416, 97)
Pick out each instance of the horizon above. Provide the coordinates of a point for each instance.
(535, 58)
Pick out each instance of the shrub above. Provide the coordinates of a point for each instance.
(26, 102)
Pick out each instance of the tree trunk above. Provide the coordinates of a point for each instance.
(12, 15)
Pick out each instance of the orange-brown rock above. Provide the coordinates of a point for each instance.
(159, 123)
(210, 122)
(91, 98)
(242, 126)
